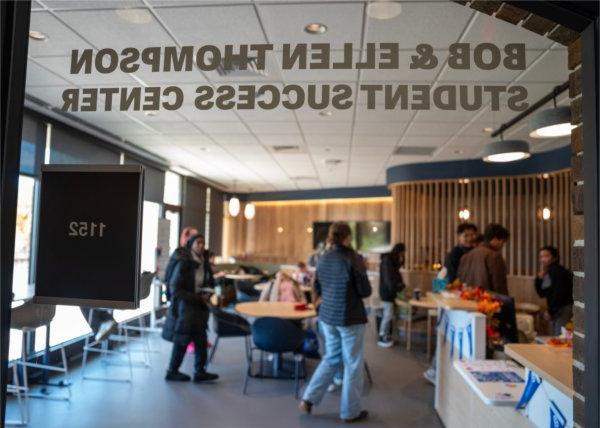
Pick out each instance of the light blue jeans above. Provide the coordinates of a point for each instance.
(344, 348)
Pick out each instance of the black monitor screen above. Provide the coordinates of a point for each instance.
(89, 235)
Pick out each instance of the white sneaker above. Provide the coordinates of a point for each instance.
(106, 329)
(385, 342)
(429, 375)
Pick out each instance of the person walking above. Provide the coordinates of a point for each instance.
(341, 283)
(187, 317)
(390, 283)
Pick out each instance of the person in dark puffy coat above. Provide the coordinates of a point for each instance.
(187, 316)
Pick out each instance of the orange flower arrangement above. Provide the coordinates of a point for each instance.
(487, 305)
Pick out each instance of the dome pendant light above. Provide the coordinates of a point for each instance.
(551, 123)
(506, 151)
(249, 211)
(234, 204)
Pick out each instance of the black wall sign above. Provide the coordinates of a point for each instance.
(89, 235)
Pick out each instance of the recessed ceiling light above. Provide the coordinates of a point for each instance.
(384, 9)
(38, 35)
(315, 28)
(326, 113)
(458, 152)
(488, 129)
(134, 15)
(151, 113)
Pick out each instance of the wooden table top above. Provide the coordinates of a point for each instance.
(552, 364)
(426, 302)
(263, 285)
(455, 303)
(243, 276)
(274, 309)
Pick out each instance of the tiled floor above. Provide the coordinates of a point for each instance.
(399, 396)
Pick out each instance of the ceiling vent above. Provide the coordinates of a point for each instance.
(303, 178)
(332, 162)
(240, 69)
(286, 148)
(414, 151)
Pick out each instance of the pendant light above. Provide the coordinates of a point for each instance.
(506, 151)
(234, 204)
(551, 123)
(249, 211)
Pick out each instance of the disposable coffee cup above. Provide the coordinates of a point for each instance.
(417, 294)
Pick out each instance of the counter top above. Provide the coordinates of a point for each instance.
(552, 364)
(454, 303)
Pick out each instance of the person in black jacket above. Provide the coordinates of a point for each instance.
(342, 284)
(187, 317)
(555, 283)
(466, 234)
(390, 283)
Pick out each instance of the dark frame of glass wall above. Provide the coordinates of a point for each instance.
(14, 29)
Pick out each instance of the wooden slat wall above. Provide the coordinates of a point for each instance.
(259, 240)
(425, 216)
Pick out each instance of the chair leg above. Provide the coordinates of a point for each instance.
(368, 372)
(248, 369)
(213, 350)
(296, 375)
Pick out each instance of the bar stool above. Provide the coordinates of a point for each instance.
(102, 347)
(27, 318)
(21, 393)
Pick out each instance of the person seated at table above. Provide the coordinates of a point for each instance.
(465, 234)
(283, 289)
(484, 265)
(555, 283)
(187, 316)
(342, 283)
(390, 283)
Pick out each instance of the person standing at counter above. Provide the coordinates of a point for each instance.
(187, 317)
(555, 283)
(465, 233)
(390, 283)
(484, 266)
(342, 283)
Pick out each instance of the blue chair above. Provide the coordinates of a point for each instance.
(276, 336)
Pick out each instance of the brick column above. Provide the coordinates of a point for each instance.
(577, 232)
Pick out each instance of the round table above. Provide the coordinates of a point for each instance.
(261, 286)
(243, 276)
(274, 309)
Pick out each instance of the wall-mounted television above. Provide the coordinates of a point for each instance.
(367, 236)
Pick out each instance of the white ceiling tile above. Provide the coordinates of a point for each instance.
(51, 95)
(40, 76)
(213, 25)
(284, 23)
(61, 39)
(106, 29)
(379, 114)
(433, 128)
(324, 128)
(274, 127)
(91, 4)
(551, 67)
(420, 141)
(421, 22)
(488, 29)
(213, 128)
(280, 139)
(392, 129)
(327, 75)
(61, 65)
(326, 140)
(375, 141)
(403, 73)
